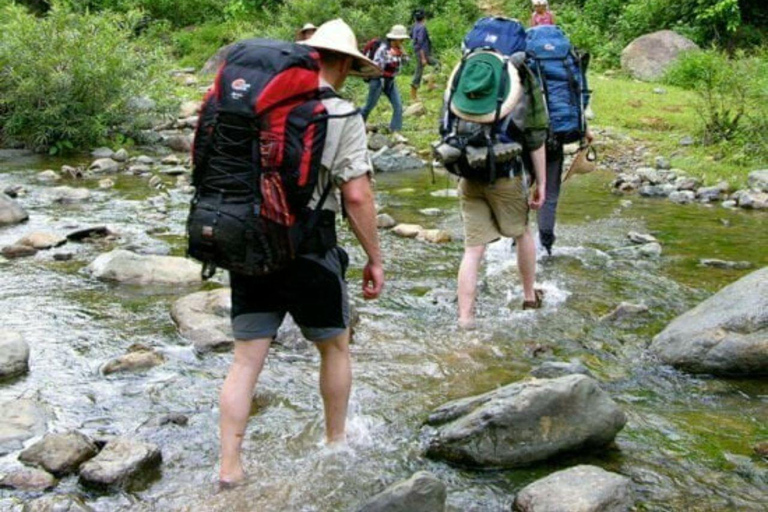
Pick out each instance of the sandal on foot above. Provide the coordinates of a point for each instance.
(534, 304)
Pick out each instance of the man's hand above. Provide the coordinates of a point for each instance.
(589, 136)
(373, 280)
(539, 195)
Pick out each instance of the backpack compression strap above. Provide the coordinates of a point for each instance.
(491, 139)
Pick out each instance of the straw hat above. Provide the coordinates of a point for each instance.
(584, 162)
(540, 2)
(307, 27)
(336, 36)
(477, 90)
(398, 32)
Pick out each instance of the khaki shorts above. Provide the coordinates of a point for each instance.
(493, 211)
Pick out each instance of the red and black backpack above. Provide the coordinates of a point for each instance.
(256, 161)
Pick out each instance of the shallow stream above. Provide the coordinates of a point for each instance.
(687, 444)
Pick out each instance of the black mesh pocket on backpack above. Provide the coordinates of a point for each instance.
(232, 237)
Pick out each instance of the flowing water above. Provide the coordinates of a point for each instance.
(687, 443)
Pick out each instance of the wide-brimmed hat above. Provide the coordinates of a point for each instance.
(584, 162)
(540, 2)
(307, 27)
(480, 85)
(336, 36)
(398, 32)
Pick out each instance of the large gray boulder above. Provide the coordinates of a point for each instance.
(726, 334)
(212, 65)
(423, 492)
(14, 355)
(21, 419)
(60, 454)
(204, 319)
(130, 268)
(577, 489)
(391, 159)
(648, 57)
(525, 422)
(11, 212)
(758, 180)
(119, 462)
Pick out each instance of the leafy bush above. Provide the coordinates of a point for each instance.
(67, 79)
(179, 13)
(733, 94)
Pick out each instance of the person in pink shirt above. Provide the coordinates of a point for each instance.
(541, 14)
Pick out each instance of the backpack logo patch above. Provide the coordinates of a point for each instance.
(240, 85)
(491, 38)
(549, 47)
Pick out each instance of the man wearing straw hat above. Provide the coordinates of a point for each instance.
(500, 208)
(389, 57)
(325, 310)
(307, 31)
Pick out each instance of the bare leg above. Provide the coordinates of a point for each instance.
(235, 404)
(335, 384)
(470, 266)
(526, 263)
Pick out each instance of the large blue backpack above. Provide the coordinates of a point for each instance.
(561, 73)
(504, 35)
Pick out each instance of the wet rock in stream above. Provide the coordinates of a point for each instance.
(60, 454)
(555, 369)
(131, 268)
(650, 250)
(42, 241)
(14, 355)
(423, 492)
(120, 461)
(104, 166)
(204, 319)
(22, 419)
(60, 503)
(726, 334)
(385, 221)
(68, 195)
(578, 489)
(90, 232)
(524, 422)
(139, 357)
(27, 479)
(624, 311)
(11, 212)
(14, 251)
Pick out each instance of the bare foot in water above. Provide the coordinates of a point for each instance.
(467, 324)
(230, 478)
